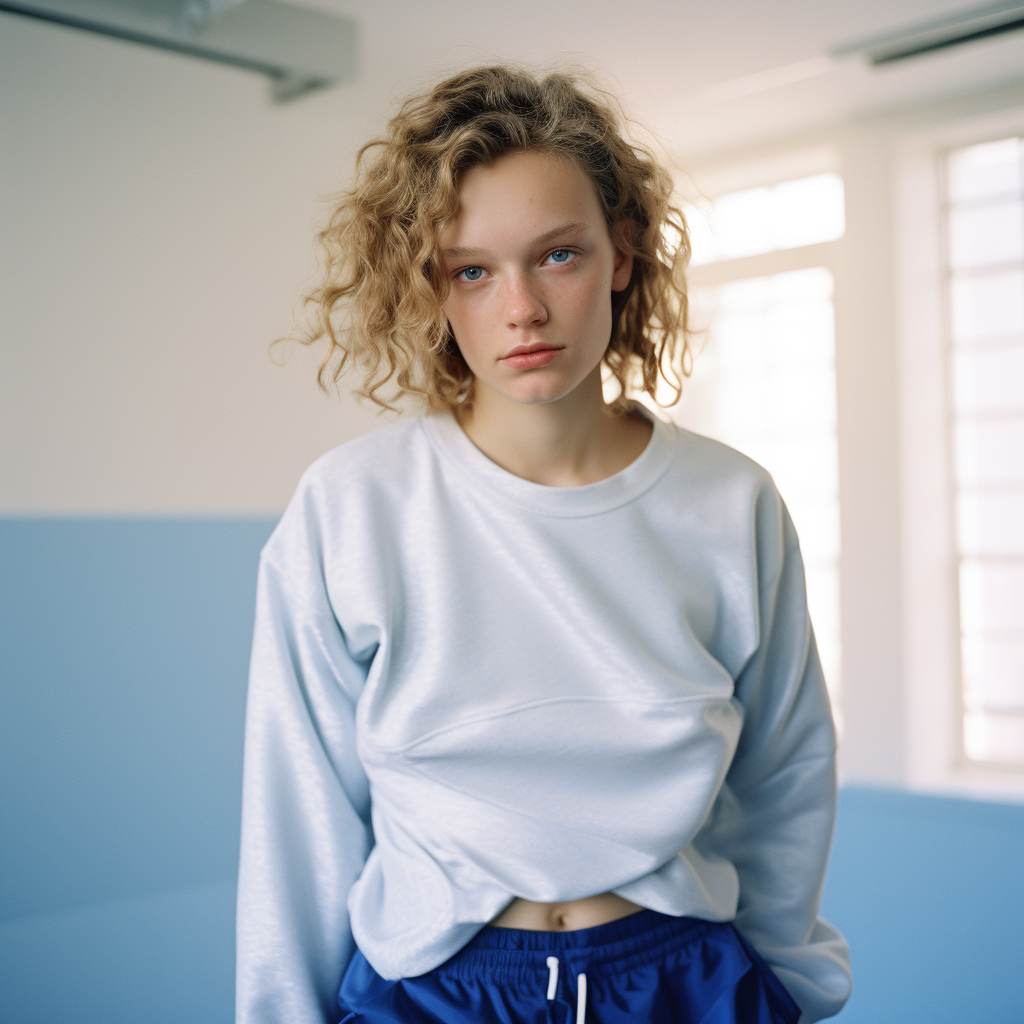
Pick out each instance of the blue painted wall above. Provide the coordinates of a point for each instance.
(124, 647)
(123, 653)
(929, 892)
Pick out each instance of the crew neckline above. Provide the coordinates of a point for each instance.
(588, 499)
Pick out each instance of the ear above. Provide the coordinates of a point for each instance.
(622, 274)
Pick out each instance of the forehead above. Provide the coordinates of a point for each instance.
(521, 195)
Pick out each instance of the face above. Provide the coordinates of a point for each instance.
(531, 266)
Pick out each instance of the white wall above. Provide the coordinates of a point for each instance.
(157, 220)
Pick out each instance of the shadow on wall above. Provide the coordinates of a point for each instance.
(124, 653)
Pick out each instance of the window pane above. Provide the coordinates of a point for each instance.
(783, 319)
(994, 737)
(991, 169)
(988, 306)
(749, 296)
(809, 210)
(989, 380)
(991, 597)
(991, 523)
(804, 468)
(809, 336)
(742, 345)
(994, 672)
(986, 236)
(757, 220)
(703, 248)
(823, 596)
(817, 524)
(744, 223)
(743, 408)
(790, 401)
(764, 381)
(985, 225)
(802, 337)
(990, 451)
(768, 388)
(815, 284)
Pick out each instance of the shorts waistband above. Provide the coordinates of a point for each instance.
(609, 948)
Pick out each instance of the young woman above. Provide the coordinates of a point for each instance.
(536, 726)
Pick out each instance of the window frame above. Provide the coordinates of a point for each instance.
(930, 601)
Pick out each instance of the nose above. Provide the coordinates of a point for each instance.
(524, 305)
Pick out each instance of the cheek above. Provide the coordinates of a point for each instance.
(592, 304)
(466, 322)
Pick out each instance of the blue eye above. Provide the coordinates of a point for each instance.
(471, 273)
(561, 255)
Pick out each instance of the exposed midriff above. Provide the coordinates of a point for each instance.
(565, 917)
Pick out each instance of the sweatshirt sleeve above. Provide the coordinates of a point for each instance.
(305, 805)
(777, 808)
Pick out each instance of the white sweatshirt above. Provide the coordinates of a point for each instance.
(467, 687)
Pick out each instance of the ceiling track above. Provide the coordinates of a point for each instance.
(914, 50)
(133, 36)
(955, 29)
(296, 49)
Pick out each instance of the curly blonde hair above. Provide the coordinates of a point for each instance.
(383, 284)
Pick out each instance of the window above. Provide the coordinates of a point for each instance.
(768, 218)
(984, 228)
(960, 326)
(764, 381)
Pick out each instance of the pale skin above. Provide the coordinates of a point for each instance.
(531, 264)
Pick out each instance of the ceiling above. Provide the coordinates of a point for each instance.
(676, 64)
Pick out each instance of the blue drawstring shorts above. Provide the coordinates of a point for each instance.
(647, 968)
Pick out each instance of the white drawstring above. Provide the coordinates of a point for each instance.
(581, 989)
(553, 976)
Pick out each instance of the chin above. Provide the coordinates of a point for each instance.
(539, 397)
(539, 390)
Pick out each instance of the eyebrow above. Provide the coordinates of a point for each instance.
(563, 229)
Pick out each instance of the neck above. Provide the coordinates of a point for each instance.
(569, 442)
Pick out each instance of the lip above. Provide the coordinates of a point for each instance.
(526, 357)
